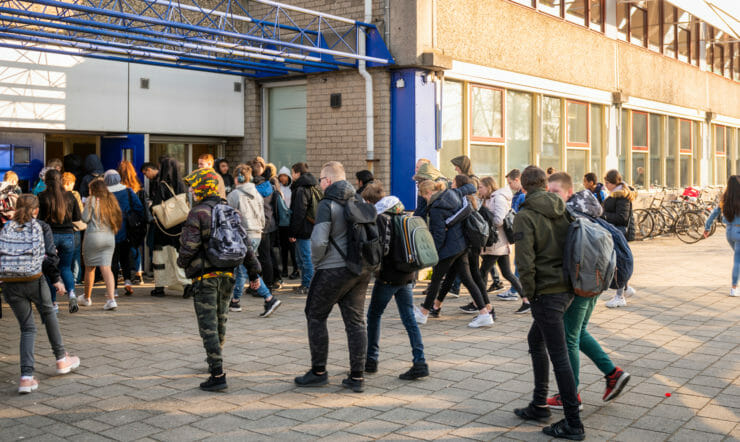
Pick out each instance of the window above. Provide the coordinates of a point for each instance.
(656, 160)
(578, 124)
(683, 27)
(685, 151)
(487, 160)
(686, 138)
(487, 114)
(622, 20)
(625, 141)
(639, 131)
(669, 30)
(550, 6)
(21, 155)
(286, 121)
(178, 151)
(727, 68)
(551, 133)
(670, 154)
(729, 136)
(6, 151)
(529, 3)
(696, 26)
(638, 23)
(720, 152)
(596, 14)
(452, 126)
(597, 142)
(575, 11)
(576, 167)
(655, 29)
(638, 169)
(696, 131)
(518, 130)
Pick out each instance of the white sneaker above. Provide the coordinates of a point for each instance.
(617, 301)
(484, 320)
(110, 305)
(84, 301)
(733, 292)
(629, 292)
(420, 317)
(507, 296)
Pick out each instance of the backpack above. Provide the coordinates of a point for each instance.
(492, 230)
(136, 223)
(476, 230)
(283, 212)
(226, 247)
(413, 244)
(589, 259)
(22, 250)
(314, 196)
(625, 261)
(509, 226)
(364, 247)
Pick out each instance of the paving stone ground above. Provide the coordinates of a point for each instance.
(141, 366)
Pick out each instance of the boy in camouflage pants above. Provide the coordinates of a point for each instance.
(212, 286)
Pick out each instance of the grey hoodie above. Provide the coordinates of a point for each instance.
(330, 222)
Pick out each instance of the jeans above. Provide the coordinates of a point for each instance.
(20, 296)
(459, 264)
(382, 294)
(504, 263)
(136, 261)
(733, 237)
(211, 300)
(122, 261)
(242, 276)
(579, 339)
(342, 287)
(77, 269)
(303, 256)
(547, 335)
(65, 243)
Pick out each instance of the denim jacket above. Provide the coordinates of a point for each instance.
(713, 216)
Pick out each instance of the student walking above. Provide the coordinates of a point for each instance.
(618, 212)
(131, 181)
(287, 248)
(540, 228)
(27, 244)
(306, 192)
(729, 208)
(103, 218)
(214, 283)
(391, 283)
(68, 183)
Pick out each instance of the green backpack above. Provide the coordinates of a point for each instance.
(414, 246)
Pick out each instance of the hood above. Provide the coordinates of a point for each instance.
(93, 164)
(427, 172)
(305, 180)
(285, 171)
(365, 177)
(585, 202)
(463, 162)
(506, 192)
(624, 191)
(73, 164)
(204, 183)
(247, 187)
(116, 188)
(42, 174)
(270, 171)
(544, 203)
(339, 191)
(217, 166)
(446, 199)
(389, 204)
(264, 188)
(111, 177)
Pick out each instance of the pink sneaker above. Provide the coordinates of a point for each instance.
(27, 385)
(67, 364)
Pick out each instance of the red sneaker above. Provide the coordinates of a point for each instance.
(556, 402)
(615, 382)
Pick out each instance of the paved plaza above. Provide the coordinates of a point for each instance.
(141, 366)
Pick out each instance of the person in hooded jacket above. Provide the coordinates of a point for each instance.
(364, 177)
(443, 204)
(222, 167)
(73, 165)
(287, 248)
(267, 190)
(304, 183)
(391, 283)
(463, 166)
(426, 172)
(618, 212)
(93, 169)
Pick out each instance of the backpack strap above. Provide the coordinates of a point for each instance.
(389, 226)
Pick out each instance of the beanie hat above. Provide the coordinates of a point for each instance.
(204, 183)
(111, 177)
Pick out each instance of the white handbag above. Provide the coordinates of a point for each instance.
(172, 211)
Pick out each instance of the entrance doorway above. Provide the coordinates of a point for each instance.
(60, 145)
(185, 151)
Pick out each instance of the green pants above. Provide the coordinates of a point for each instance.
(579, 339)
(211, 298)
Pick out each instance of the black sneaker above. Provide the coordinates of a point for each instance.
(301, 290)
(276, 285)
(214, 383)
(284, 274)
(469, 308)
(158, 292)
(435, 312)
(533, 412)
(496, 285)
(312, 380)
(371, 366)
(415, 372)
(562, 430)
(355, 384)
(294, 275)
(73, 308)
(524, 308)
(188, 292)
(234, 306)
(270, 307)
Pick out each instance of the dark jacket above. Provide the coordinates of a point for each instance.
(330, 223)
(122, 196)
(540, 229)
(449, 241)
(228, 179)
(268, 192)
(388, 273)
(618, 206)
(196, 233)
(50, 266)
(93, 169)
(73, 213)
(300, 227)
(159, 192)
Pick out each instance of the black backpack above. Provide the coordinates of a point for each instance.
(136, 223)
(364, 247)
(509, 226)
(492, 230)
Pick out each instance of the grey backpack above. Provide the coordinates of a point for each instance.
(589, 259)
(227, 246)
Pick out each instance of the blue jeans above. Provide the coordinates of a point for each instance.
(733, 238)
(77, 270)
(241, 277)
(303, 256)
(65, 243)
(382, 294)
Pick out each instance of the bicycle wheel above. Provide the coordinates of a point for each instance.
(643, 223)
(659, 223)
(689, 227)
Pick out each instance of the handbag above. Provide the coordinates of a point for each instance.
(79, 226)
(135, 222)
(173, 211)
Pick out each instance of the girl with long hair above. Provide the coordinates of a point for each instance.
(618, 212)
(103, 218)
(129, 179)
(23, 292)
(60, 210)
(129, 203)
(729, 207)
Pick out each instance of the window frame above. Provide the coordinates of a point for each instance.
(629, 6)
(598, 27)
(477, 139)
(634, 147)
(724, 140)
(690, 150)
(568, 143)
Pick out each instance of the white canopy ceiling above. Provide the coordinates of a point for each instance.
(722, 14)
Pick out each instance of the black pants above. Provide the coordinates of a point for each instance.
(459, 264)
(287, 248)
(122, 261)
(489, 263)
(547, 335)
(475, 272)
(275, 255)
(337, 286)
(264, 255)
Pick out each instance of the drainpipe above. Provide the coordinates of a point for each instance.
(387, 22)
(369, 116)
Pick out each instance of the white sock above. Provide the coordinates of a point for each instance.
(25, 378)
(72, 294)
(127, 282)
